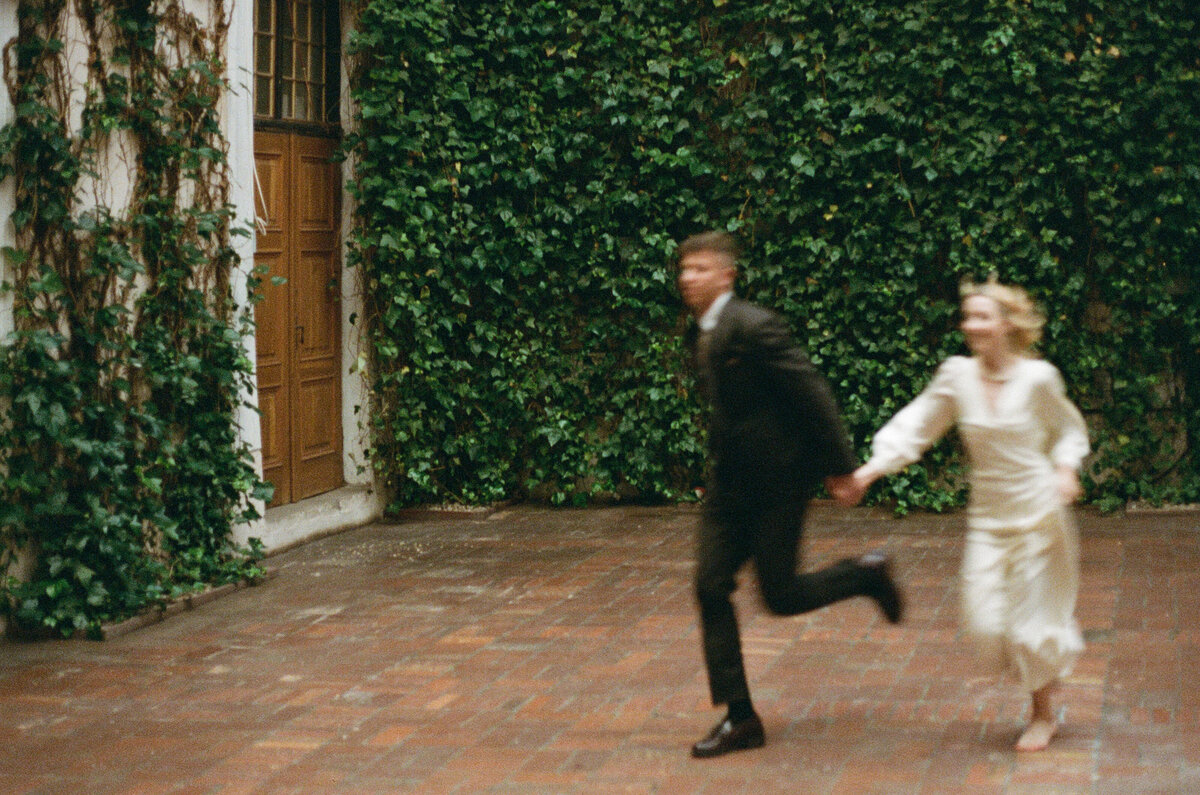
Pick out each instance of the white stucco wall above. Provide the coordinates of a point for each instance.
(8, 31)
(355, 388)
(359, 502)
(238, 113)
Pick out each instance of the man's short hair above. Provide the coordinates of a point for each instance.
(715, 241)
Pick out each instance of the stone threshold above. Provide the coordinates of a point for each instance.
(420, 513)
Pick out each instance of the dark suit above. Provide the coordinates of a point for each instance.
(774, 432)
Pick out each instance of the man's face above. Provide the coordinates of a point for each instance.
(703, 276)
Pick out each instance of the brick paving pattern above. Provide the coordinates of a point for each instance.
(539, 651)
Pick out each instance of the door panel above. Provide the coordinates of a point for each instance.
(271, 313)
(299, 321)
(314, 173)
(314, 442)
(315, 268)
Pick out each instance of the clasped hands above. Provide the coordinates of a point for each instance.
(848, 490)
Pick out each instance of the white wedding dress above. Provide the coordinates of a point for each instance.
(1020, 573)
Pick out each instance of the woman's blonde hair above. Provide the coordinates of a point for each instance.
(1016, 306)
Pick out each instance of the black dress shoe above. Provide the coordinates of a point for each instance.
(881, 587)
(728, 736)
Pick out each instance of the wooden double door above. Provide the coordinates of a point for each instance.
(299, 315)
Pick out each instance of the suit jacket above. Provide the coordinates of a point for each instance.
(774, 422)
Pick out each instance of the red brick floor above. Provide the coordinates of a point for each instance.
(540, 651)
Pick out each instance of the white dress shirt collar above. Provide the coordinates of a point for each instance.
(708, 321)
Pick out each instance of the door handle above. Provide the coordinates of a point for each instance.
(299, 335)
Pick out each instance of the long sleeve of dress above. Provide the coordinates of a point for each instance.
(1069, 441)
(914, 429)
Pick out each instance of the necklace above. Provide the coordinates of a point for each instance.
(998, 376)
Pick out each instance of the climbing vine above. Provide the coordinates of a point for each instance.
(522, 170)
(122, 471)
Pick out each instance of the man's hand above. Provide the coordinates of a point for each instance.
(848, 490)
(844, 490)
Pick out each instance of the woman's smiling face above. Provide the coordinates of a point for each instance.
(987, 330)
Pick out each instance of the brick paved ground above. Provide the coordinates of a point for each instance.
(541, 651)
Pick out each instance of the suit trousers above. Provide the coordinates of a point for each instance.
(769, 533)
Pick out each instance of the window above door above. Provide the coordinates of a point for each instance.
(296, 63)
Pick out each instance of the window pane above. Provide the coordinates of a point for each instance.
(302, 56)
(317, 70)
(264, 16)
(304, 21)
(285, 29)
(285, 59)
(262, 54)
(262, 96)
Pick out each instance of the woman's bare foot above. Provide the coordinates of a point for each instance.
(1042, 724)
(1037, 735)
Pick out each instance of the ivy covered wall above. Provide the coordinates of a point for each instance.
(523, 168)
(122, 470)
(521, 172)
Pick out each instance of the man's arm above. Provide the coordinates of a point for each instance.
(808, 395)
